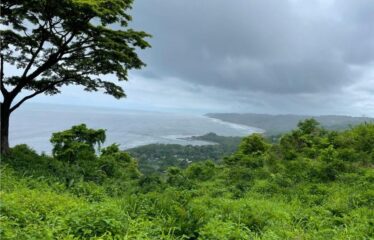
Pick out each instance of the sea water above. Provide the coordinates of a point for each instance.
(33, 125)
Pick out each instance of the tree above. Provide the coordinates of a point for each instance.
(70, 144)
(66, 42)
(309, 126)
(253, 144)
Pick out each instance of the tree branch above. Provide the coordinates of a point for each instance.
(72, 50)
(53, 28)
(36, 93)
(34, 55)
(52, 60)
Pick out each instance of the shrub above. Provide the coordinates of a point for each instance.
(76, 143)
(254, 144)
(201, 171)
(217, 229)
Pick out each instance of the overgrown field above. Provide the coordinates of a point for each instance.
(313, 184)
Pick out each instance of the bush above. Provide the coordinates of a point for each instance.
(97, 221)
(217, 229)
(254, 144)
(200, 171)
(76, 143)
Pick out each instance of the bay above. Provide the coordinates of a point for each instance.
(33, 125)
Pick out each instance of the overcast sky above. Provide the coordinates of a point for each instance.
(264, 56)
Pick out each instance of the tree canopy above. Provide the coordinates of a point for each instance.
(57, 43)
(67, 144)
(65, 42)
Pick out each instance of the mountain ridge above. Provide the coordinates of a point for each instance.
(280, 123)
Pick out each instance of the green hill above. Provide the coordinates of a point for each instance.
(276, 124)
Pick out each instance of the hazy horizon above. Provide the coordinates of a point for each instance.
(119, 107)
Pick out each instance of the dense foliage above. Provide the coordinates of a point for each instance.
(313, 184)
(158, 157)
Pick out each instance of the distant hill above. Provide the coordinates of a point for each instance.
(276, 124)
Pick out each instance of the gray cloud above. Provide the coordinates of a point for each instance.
(265, 56)
(268, 46)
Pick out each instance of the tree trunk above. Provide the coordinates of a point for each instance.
(4, 124)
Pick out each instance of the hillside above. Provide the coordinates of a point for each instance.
(313, 184)
(276, 124)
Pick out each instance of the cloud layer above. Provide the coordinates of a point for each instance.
(276, 50)
(265, 56)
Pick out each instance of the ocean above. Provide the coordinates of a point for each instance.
(33, 124)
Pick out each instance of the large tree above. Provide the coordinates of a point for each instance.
(54, 43)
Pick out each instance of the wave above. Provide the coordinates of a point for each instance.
(237, 126)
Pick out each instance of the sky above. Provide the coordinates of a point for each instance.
(263, 56)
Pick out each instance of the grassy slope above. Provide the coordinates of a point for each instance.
(261, 196)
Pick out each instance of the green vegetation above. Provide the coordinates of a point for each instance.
(64, 42)
(158, 157)
(313, 184)
(279, 124)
